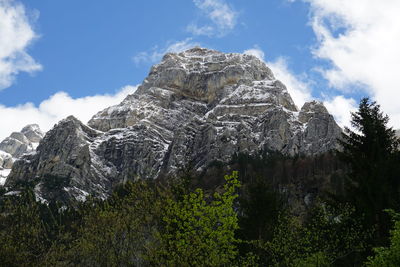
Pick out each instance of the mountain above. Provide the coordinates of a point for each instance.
(195, 107)
(16, 145)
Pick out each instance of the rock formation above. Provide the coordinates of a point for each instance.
(195, 107)
(16, 145)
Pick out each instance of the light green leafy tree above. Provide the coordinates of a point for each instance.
(388, 256)
(200, 230)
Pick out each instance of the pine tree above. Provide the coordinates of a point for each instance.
(23, 234)
(371, 150)
(388, 256)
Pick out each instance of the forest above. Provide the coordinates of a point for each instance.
(341, 208)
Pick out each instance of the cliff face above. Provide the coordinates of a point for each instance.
(194, 107)
(16, 145)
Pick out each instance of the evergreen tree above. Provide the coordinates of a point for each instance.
(388, 256)
(24, 239)
(118, 231)
(371, 150)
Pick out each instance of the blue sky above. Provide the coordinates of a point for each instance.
(80, 56)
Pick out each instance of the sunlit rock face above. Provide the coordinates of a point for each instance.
(16, 145)
(195, 107)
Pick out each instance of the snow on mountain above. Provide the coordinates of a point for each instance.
(15, 146)
(195, 107)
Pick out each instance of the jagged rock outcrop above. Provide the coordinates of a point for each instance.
(195, 107)
(16, 145)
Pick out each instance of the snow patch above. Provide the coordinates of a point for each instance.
(13, 193)
(3, 176)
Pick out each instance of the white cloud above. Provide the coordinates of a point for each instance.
(340, 107)
(255, 51)
(16, 34)
(361, 40)
(223, 18)
(55, 108)
(298, 88)
(157, 53)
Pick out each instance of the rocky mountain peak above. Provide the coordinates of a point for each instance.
(195, 107)
(311, 108)
(201, 74)
(203, 78)
(16, 145)
(33, 133)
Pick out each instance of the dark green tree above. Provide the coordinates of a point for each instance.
(388, 256)
(24, 238)
(260, 206)
(119, 230)
(371, 151)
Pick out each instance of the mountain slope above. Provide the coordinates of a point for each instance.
(194, 107)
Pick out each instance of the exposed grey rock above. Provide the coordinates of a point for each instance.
(6, 160)
(194, 107)
(16, 145)
(63, 154)
(33, 133)
(321, 131)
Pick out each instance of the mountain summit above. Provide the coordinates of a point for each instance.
(16, 145)
(195, 107)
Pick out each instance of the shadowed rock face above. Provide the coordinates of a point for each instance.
(194, 107)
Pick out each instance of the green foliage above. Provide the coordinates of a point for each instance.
(338, 233)
(259, 209)
(328, 237)
(260, 206)
(141, 224)
(199, 231)
(318, 259)
(23, 235)
(388, 256)
(117, 232)
(374, 180)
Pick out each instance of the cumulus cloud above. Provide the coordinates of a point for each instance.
(223, 18)
(55, 108)
(156, 53)
(255, 51)
(16, 34)
(298, 88)
(341, 107)
(361, 40)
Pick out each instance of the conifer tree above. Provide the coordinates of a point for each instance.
(371, 150)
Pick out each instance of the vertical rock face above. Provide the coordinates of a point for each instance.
(195, 107)
(16, 145)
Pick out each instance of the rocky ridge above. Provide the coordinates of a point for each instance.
(195, 107)
(16, 145)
